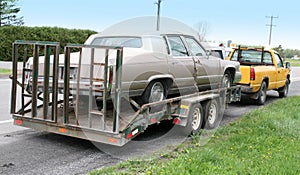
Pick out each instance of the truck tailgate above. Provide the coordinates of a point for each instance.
(245, 70)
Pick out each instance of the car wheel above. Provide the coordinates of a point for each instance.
(195, 120)
(226, 83)
(283, 92)
(155, 92)
(262, 94)
(212, 118)
(226, 80)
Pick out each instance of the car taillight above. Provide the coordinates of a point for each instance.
(252, 74)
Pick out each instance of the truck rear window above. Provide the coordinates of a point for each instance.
(133, 42)
(252, 56)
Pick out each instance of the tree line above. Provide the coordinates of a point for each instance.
(8, 34)
(287, 53)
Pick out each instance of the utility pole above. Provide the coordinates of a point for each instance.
(158, 15)
(0, 13)
(271, 27)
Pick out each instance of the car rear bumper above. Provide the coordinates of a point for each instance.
(237, 77)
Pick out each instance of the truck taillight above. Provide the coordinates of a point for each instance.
(252, 74)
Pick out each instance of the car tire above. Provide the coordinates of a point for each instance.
(262, 94)
(195, 120)
(226, 80)
(225, 84)
(212, 114)
(283, 92)
(156, 91)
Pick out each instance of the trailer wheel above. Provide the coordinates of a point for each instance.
(283, 92)
(262, 94)
(212, 111)
(195, 120)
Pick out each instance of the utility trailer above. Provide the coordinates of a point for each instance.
(106, 115)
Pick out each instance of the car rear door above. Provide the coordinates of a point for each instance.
(181, 65)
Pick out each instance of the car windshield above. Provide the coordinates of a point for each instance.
(133, 42)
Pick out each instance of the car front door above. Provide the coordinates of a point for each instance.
(281, 71)
(209, 73)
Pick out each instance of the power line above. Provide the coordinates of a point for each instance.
(271, 27)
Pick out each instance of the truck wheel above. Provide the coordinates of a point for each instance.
(283, 92)
(262, 94)
(155, 92)
(195, 120)
(211, 119)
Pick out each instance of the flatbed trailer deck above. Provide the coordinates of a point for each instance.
(114, 119)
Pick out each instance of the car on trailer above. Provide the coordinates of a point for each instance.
(156, 64)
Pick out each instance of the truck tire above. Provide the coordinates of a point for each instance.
(262, 94)
(283, 92)
(211, 111)
(195, 120)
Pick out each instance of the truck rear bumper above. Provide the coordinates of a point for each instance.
(250, 91)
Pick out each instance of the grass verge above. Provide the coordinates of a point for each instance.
(265, 141)
(294, 63)
(5, 71)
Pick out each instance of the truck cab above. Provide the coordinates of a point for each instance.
(262, 70)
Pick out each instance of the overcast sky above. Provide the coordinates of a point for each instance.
(243, 22)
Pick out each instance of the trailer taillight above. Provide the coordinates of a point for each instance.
(252, 74)
(18, 122)
(176, 121)
(133, 133)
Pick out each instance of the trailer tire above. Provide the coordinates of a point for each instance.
(212, 114)
(195, 120)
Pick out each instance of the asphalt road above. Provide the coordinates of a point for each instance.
(24, 151)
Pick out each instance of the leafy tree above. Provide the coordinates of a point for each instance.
(8, 13)
(280, 50)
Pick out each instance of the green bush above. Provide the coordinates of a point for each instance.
(9, 34)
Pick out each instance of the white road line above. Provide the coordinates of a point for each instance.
(5, 80)
(6, 121)
(295, 79)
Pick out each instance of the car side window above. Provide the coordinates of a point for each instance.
(194, 47)
(177, 46)
(278, 60)
(267, 58)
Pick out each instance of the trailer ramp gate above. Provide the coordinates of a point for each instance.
(86, 102)
(42, 107)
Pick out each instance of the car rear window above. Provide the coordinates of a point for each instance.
(133, 42)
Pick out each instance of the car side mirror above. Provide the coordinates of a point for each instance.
(288, 65)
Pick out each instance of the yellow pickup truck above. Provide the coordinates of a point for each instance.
(262, 70)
